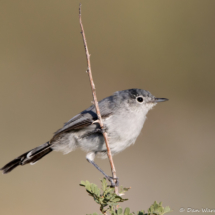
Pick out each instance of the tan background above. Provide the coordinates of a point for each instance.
(166, 47)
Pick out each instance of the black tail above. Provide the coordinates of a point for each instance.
(31, 156)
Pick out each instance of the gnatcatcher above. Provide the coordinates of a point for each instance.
(123, 114)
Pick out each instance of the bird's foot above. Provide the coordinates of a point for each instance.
(102, 130)
(114, 181)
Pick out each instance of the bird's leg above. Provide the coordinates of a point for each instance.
(102, 130)
(109, 178)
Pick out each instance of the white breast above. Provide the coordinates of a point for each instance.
(123, 129)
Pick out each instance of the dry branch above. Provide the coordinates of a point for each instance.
(96, 101)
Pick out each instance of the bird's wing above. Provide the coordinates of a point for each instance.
(85, 118)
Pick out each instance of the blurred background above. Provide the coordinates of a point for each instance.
(166, 47)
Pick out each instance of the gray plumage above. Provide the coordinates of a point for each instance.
(123, 114)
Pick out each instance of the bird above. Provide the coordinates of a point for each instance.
(123, 115)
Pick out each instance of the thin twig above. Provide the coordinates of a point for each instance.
(96, 101)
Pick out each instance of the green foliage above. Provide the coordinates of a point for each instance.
(158, 209)
(108, 200)
(155, 209)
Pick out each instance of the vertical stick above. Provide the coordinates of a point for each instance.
(96, 101)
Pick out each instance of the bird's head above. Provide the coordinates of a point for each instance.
(138, 99)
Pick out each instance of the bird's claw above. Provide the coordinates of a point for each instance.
(112, 181)
(102, 130)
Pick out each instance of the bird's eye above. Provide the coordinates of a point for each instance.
(140, 99)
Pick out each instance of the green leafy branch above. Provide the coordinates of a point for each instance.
(107, 199)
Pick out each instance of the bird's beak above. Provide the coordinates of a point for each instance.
(160, 100)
